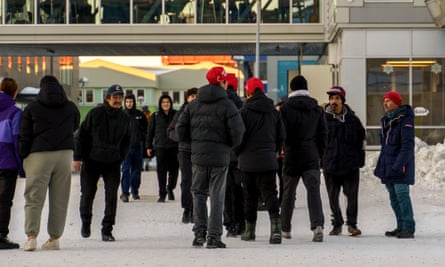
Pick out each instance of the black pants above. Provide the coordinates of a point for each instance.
(256, 184)
(8, 180)
(185, 162)
(350, 183)
(234, 200)
(167, 163)
(311, 180)
(89, 176)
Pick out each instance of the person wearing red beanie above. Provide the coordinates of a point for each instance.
(394, 97)
(396, 163)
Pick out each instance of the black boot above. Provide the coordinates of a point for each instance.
(275, 231)
(249, 234)
(85, 231)
(6, 244)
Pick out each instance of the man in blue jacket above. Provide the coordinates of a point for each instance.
(395, 166)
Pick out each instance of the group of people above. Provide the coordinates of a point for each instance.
(228, 150)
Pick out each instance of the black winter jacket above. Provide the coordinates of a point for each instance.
(157, 128)
(138, 124)
(264, 135)
(103, 136)
(48, 123)
(171, 132)
(345, 144)
(306, 133)
(213, 125)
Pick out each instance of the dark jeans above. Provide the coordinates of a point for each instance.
(402, 207)
(262, 184)
(167, 162)
(234, 200)
(208, 181)
(185, 161)
(89, 176)
(8, 180)
(131, 171)
(280, 178)
(311, 180)
(350, 184)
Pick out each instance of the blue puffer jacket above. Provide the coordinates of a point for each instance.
(396, 160)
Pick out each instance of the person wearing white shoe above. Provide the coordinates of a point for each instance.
(46, 143)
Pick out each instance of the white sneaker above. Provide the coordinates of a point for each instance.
(30, 245)
(286, 235)
(318, 234)
(51, 245)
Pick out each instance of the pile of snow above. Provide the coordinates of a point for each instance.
(430, 165)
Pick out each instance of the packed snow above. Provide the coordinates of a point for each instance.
(151, 234)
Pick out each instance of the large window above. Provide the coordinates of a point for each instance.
(420, 82)
(159, 11)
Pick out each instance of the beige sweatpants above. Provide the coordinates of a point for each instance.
(49, 170)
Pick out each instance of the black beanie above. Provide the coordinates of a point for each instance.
(298, 83)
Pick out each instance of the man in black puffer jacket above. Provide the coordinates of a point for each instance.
(102, 142)
(214, 126)
(306, 134)
(342, 160)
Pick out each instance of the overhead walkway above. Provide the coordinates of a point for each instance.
(162, 30)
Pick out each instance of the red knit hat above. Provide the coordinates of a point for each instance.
(394, 96)
(252, 84)
(216, 75)
(233, 81)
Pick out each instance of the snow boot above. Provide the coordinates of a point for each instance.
(275, 231)
(249, 233)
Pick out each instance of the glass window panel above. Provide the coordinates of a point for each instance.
(210, 11)
(52, 11)
(306, 11)
(115, 11)
(89, 97)
(176, 98)
(83, 11)
(146, 11)
(19, 11)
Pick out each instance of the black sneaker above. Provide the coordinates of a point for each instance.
(199, 240)
(392, 233)
(170, 194)
(404, 234)
(161, 199)
(85, 231)
(6, 244)
(124, 197)
(187, 216)
(231, 231)
(136, 196)
(336, 230)
(108, 237)
(213, 243)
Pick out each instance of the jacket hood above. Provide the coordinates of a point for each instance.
(402, 111)
(52, 94)
(260, 103)
(211, 93)
(6, 101)
(162, 98)
(303, 102)
(131, 96)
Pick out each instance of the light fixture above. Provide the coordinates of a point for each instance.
(437, 11)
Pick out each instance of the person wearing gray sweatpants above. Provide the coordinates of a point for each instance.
(46, 143)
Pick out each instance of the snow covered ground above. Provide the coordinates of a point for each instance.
(151, 234)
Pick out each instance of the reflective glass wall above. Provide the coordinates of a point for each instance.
(158, 11)
(420, 82)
